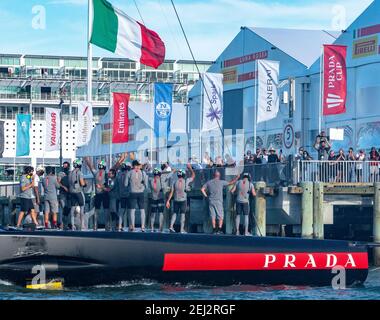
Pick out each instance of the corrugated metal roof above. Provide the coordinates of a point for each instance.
(303, 45)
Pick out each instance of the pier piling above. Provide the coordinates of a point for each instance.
(307, 210)
(260, 210)
(318, 222)
(376, 223)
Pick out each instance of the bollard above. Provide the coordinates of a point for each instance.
(318, 222)
(260, 210)
(376, 224)
(307, 210)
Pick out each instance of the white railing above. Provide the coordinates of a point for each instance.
(338, 171)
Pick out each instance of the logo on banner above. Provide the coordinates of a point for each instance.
(53, 139)
(163, 110)
(365, 47)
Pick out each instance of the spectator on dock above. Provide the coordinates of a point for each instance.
(373, 165)
(351, 166)
(213, 191)
(273, 157)
(341, 168)
(322, 145)
(360, 158)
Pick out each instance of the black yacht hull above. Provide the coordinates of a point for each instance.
(91, 258)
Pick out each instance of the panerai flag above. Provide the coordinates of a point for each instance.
(114, 31)
(23, 134)
(85, 125)
(334, 80)
(163, 107)
(120, 132)
(212, 101)
(268, 103)
(53, 134)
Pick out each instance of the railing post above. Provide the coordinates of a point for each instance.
(376, 223)
(260, 209)
(307, 210)
(318, 221)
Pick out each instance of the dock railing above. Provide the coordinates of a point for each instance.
(337, 171)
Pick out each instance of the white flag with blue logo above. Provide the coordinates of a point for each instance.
(163, 107)
(212, 101)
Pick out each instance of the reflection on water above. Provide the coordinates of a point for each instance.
(147, 290)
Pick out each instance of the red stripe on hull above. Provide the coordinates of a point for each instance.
(264, 261)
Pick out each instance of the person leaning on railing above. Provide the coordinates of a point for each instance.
(374, 165)
(360, 158)
(350, 158)
(341, 158)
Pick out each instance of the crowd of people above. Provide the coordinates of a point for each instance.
(121, 192)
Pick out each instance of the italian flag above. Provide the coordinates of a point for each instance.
(114, 31)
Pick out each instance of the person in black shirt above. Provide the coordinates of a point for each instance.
(273, 157)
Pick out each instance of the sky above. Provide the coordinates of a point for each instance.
(210, 24)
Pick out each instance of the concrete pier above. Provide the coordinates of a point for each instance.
(376, 223)
(318, 223)
(260, 209)
(307, 210)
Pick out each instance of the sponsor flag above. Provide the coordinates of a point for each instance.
(268, 103)
(84, 123)
(23, 134)
(212, 101)
(53, 134)
(163, 107)
(2, 140)
(334, 80)
(114, 31)
(120, 132)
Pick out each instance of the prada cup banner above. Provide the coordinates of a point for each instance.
(163, 109)
(212, 101)
(53, 134)
(120, 132)
(268, 103)
(334, 80)
(23, 134)
(84, 123)
(2, 139)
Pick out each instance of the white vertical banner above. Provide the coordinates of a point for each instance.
(212, 101)
(53, 133)
(85, 119)
(268, 97)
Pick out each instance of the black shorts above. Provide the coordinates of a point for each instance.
(102, 199)
(136, 199)
(124, 203)
(180, 207)
(77, 199)
(157, 204)
(242, 208)
(26, 205)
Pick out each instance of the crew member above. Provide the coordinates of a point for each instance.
(50, 185)
(64, 194)
(76, 185)
(136, 181)
(157, 203)
(40, 171)
(101, 190)
(213, 190)
(123, 193)
(179, 190)
(26, 196)
(244, 188)
(114, 222)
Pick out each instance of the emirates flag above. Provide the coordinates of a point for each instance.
(120, 132)
(334, 80)
(52, 136)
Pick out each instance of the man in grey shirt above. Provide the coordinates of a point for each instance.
(213, 190)
(26, 196)
(157, 204)
(244, 189)
(136, 182)
(179, 191)
(50, 185)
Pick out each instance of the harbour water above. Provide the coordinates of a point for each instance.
(147, 290)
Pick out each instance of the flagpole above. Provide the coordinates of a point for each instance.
(201, 120)
(321, 92)
(255, 110)
(89, 52)
(151, 129)
(111, 124)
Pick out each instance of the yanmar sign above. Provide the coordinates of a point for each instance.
(264, 261)
(53, 119)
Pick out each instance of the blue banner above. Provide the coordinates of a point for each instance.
(23, 134)
(163, 107)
